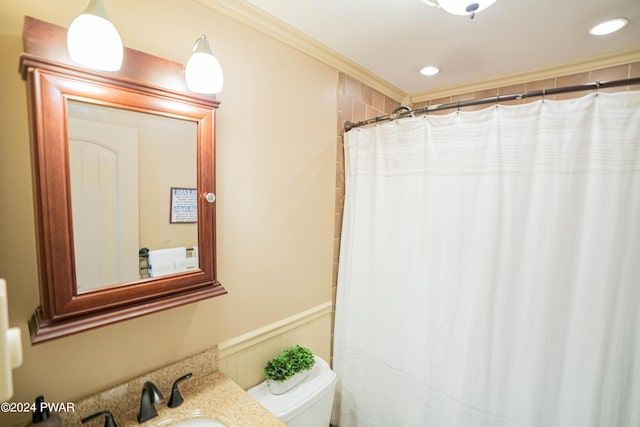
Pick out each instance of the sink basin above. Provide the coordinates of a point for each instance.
(199, 422)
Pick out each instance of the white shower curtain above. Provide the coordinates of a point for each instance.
(490, 268)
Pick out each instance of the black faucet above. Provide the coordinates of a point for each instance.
(150, 395)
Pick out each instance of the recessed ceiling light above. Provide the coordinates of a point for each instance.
(430, 71)
(608, 27)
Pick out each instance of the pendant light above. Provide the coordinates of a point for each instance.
(462, 7)
(93, 41)
(203, 72)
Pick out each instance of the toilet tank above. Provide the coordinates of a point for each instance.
(308, 404)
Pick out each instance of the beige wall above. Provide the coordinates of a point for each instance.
(275, 186)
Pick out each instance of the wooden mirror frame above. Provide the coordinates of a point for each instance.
(144, 84)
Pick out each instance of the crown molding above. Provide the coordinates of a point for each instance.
(248, 14)
(596, 63)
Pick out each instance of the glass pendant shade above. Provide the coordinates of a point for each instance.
(203, 72)
(93, 41)
(465, 7)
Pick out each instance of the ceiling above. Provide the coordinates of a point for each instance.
(394, 39)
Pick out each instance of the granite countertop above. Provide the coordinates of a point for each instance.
(214, 396)
(208, 394)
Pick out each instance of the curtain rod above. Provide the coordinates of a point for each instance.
(404, 111)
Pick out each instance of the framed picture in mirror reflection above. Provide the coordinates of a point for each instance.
(184, 205)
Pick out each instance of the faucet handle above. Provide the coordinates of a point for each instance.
(176, 398)
(108, 418)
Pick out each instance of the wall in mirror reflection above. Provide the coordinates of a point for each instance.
(123, 165)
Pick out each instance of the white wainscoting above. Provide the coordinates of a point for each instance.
(243, 358)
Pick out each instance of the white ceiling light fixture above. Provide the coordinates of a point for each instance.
(608, 27)
(203, 72)
(461, 7)
(429, 71)
(93, 41)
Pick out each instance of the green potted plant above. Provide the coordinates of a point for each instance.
(288, 368)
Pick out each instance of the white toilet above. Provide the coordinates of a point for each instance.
(308, 404)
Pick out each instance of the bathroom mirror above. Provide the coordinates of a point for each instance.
(127, 171)
(123, 163)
